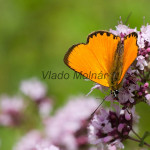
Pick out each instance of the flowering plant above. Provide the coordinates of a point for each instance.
(72, 127)
(109, 128)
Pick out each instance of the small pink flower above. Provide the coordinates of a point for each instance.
(11, 110)
(128, 116)
(146, 85)
(145, 32)
(148, 49)
(120, 127)
(45, 107)
(107, 139)
(99, 87)
(140, 41)
(125, 95)
(141, 62)
(148, 99)
(33, 88)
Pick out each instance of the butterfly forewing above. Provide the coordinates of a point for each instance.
(94, 57)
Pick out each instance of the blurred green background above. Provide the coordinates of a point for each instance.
(35, 35)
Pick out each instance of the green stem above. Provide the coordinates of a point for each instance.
(136, 134)
(139, 141)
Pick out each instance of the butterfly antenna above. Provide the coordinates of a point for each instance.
(98, 107)
(128, 18)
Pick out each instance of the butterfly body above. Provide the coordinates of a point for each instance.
(116, 70)
(104, 53)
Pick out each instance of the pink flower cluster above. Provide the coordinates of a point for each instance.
(36, 91)
(65, 130)
(11, 110)
(110, 128)
(70, 120)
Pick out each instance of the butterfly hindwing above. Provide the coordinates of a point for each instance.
(96, 56)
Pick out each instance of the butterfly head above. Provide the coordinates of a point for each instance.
(115, 93)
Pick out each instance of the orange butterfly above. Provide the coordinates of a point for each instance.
(104, 53)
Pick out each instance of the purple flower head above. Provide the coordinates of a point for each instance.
(36, 91)
(11, 110)
(33, 88)
(69, 122)
(111, 127)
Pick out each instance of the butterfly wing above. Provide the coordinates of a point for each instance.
(96, 56)
(130, 52)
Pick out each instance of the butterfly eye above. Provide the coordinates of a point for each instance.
(116, 92)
